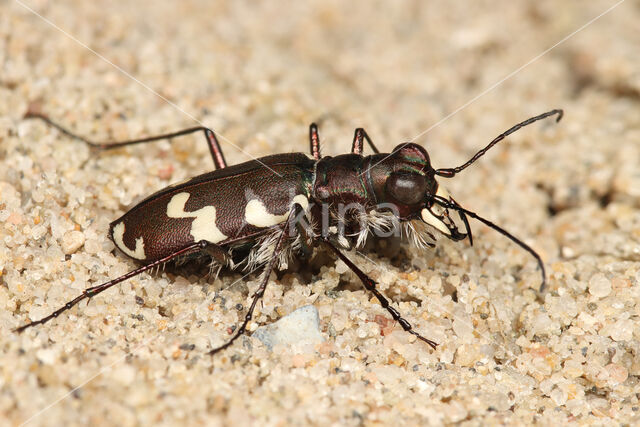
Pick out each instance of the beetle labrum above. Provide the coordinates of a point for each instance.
(284, 204)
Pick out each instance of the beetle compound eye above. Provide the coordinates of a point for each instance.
(407, 188)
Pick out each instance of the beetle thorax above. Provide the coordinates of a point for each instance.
(339, 180)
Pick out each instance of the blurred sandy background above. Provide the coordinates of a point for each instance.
(259, 73)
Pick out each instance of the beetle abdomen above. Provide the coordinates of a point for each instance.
(219, 207)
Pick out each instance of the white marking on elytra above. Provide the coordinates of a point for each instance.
(118, 238)
(256, 213)
(203, 226)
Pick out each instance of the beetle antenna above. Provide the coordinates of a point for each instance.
(449, 205)
(451, 172)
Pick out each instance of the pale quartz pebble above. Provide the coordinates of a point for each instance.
(38, 312)
(559, 396)
(12, 218)
(498, 401)
(201, 342)
(542, 324)
(622, 330)
(468, 354)
(350, 364)
(72, 241)
(368, 329)
(455, 411)
(48, 356)
(339, 319)
(92, 246)
(599, 285)
(488, 350)
(202, 311)
(38, 231)
(425, 388)
(123, 373)
(454, 280)
(37, 196)
(446, 355)
(614, 374)
(435, 282)
(299, 328)
(462, 325)
(546, 386)
(522, 341)
(341, 267)
(389, 374)
(586, 320)
(573, 368)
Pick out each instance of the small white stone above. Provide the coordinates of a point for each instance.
(462, 325)
(599, 285)
(124, 374)
(299, 328)
(622, 330)
(616, 374)
(72, 241)
(341, 267)
(558, 396)
(48, 356)
(542, 324)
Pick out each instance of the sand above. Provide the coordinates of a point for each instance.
(258, 75)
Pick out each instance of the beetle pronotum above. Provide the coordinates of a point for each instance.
(283, 204)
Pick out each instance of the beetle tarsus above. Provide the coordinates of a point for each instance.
(212, 142)
(448, 204)
(95, 290)
(261, 289)
(370, 285)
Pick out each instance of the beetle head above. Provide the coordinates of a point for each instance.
(407, 181)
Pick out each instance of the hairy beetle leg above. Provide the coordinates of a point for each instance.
(263, 286)
(303, 228)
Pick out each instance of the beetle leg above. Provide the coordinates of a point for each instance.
(370, 285)
(261, 289)
(218, 254)
(314, 141)
(212, 141)
(95, 290)
(358, 142)
(303, 229)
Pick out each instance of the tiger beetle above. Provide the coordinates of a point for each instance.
(264, 211)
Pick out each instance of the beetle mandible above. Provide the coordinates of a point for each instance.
(271, 208)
